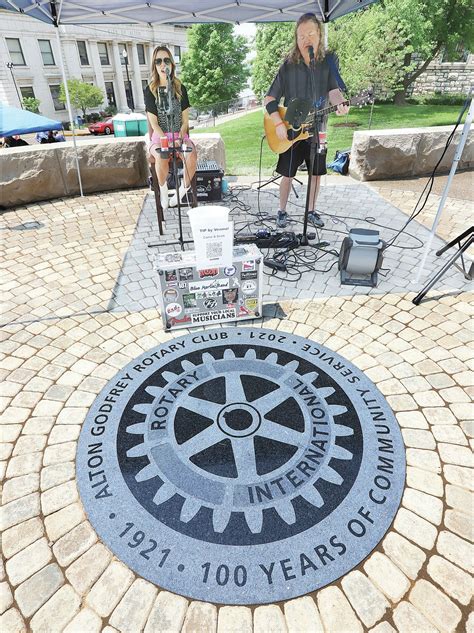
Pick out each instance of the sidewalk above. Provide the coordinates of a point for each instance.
(80, 303)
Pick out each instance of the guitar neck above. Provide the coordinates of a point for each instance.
(332, 108)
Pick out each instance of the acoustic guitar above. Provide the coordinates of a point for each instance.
(305, 130)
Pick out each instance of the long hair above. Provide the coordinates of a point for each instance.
(155, 75)
(294, 56)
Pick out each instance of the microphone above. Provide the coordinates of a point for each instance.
(311, 53)
(168, 71)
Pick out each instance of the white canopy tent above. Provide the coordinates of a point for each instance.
(155, 12)
(189, 11)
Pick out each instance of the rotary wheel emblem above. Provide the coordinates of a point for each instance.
(240, 465)
(239, 448)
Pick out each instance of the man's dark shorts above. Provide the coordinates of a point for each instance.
(290, 160)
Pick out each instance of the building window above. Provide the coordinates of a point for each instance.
(122, 47)
(144, 84)
(103, 54)
(46, 52)
(27, 92)
(177, 54)
(83, 57)
(16, 54)
(109, 91)
(58, 105)
(141, 54)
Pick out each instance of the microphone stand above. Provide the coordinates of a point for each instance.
(314, 151)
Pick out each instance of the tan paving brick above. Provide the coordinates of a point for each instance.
(109, 589)
(458, 455)
(366, 600)
(425, 481)
(460, 499)
(19, 510)
(12, 622)
(59, 497)
(35, 591)
(407, 556)
(426, 506)
(459, 476)
(416, 438)
(85, 620)
(460, 523)
(74, 543)
(63, 520)
(234, 620)
(6, 597)
(132, 611)
(167, 614)
(435, 606)
(20, 536)
(424, 460)
(387, 576)
(20, 487)
(336, 611)
(201, 616)
(302, 615)
(454, 581)
(407, 619)
(60, 609)
(28, 561)
(449, 434)
(456, 549)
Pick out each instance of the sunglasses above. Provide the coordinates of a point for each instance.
(166, 60)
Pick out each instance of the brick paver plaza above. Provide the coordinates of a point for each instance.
(79, 303)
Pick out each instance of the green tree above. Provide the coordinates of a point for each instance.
(273, 41)
(82, 95)
(31, 103)
(390, 44)
(214, 69)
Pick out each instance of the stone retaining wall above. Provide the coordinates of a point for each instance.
(446, 77)
(44, 172)
(404, 153)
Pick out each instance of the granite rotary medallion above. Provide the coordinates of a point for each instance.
(241, 465)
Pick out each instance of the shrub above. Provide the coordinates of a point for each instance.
(110, 110)
(438, 98)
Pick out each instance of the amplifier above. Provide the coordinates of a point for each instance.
(209, 181)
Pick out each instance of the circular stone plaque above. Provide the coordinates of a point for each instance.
(241, 465)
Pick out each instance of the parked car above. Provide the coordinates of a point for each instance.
(102, 127)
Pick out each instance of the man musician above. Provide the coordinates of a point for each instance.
(294, 80)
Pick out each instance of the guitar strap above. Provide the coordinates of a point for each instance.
(335, 71)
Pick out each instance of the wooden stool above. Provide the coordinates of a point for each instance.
(156, 190)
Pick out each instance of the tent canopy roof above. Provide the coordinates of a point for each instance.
(183, 12)
(16, 121)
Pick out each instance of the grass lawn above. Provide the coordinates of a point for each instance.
(242, 137)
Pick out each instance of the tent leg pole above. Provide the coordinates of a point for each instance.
(68, 101)
(457, 158)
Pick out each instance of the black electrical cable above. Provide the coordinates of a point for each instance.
(430, 182)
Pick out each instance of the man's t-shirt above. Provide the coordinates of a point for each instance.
(154, 105)
(294, 80)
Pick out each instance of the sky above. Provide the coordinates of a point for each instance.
(248, 30)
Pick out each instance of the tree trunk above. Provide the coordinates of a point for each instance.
(399, 97)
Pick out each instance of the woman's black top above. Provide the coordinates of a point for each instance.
(158, 106)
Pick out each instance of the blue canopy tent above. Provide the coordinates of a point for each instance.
(16, 121)
(155, 12)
